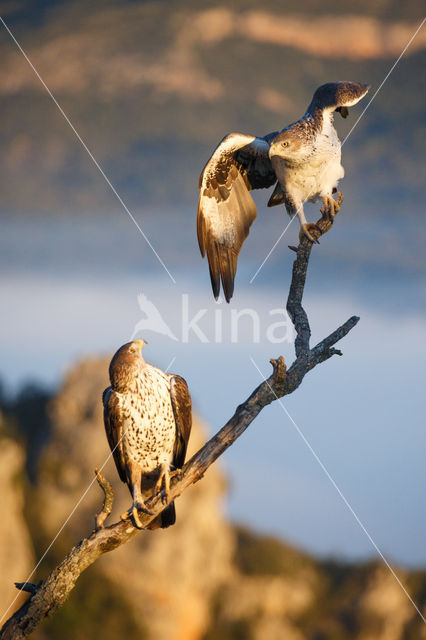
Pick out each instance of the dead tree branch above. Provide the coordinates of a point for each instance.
(50, 594)
(108, 500)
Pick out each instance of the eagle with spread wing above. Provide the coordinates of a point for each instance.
(148, 418)
(302, 160)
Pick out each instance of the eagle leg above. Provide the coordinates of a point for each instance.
(163, 483)
(138, 501)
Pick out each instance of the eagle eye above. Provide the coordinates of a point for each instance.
(285, 143)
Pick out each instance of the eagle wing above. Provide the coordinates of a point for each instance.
(182, 411)
(226, 209)
(338, 95)
(114, 430)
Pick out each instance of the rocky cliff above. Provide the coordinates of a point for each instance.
(16, 550)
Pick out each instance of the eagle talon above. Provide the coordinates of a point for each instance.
(133, 512)
(331, 206)
(177, 473)
(135, 516)
(305, 229)
(327, 215)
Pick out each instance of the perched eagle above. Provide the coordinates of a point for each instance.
(302, 160)
(147, 416)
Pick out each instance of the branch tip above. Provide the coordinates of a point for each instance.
(279, 370)
(29, 587)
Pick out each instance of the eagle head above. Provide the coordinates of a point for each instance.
(126, 364)
(287, 145)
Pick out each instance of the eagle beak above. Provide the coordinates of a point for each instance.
(272, 150)
(141, 343)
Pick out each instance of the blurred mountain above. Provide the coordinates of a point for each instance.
(202, 579)
(153, 86)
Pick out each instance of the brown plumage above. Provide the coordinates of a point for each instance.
(147, 417)
(226, 209)
(293, 159)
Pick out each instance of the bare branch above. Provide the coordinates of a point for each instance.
(325, 345)
(49, 595)
(108, 500)
(295, 309)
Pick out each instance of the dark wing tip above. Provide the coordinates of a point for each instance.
(201, 229)
(228, 268)
(105, 395)
(277, 196)
(113, 430)
(222, 268)
(213, 259)
(182, 411)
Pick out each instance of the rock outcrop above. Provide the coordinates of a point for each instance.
(16, 551)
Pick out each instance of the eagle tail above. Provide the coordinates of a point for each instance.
(168, 516)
